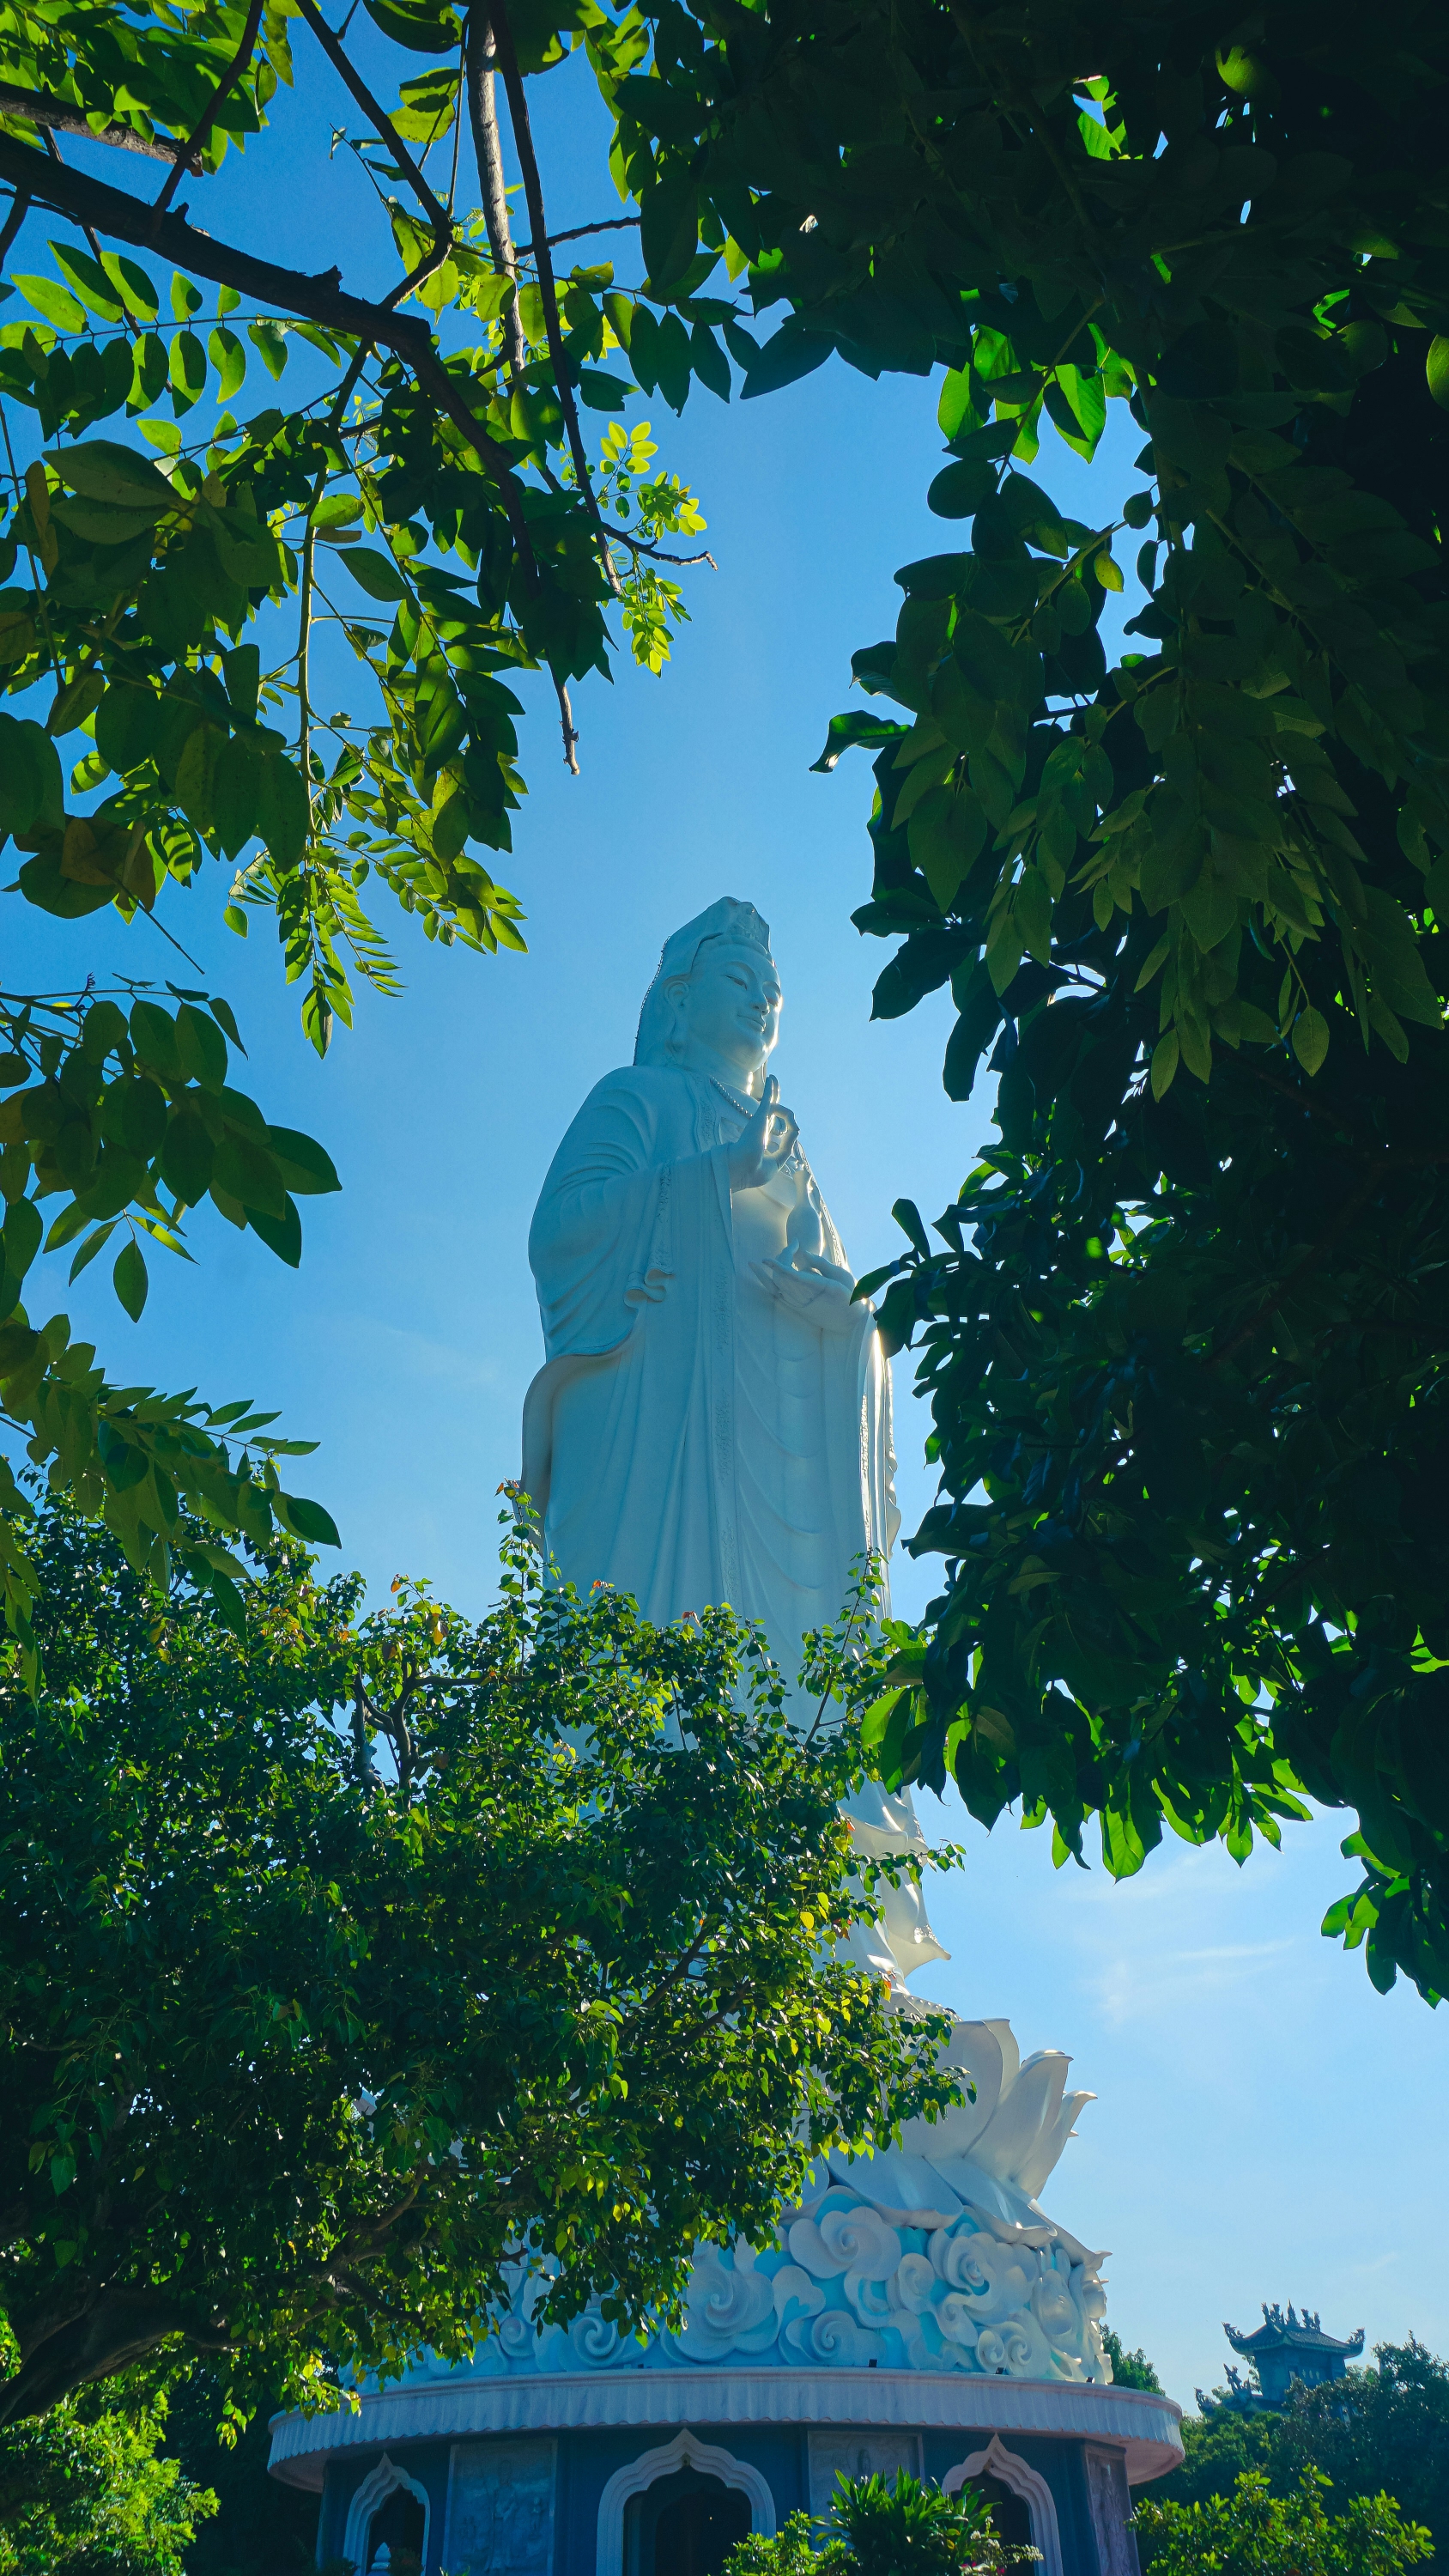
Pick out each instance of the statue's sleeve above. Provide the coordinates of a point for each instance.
(593, 1228)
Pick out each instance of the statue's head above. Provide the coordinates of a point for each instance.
(715, 997)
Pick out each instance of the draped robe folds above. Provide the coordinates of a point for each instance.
(693, 1436)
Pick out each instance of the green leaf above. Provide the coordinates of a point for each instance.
(375, 573)
(310, 1521)
(21, 1235)
(32, 788)
(959, 490)
(132, 285)
(271, 341)
(130, 1280)
(93, 1244)
(423, 26)
(791, 354)
(1436, 367)
(89, 279)
(229, 358)
(908, 1217)
(237, 789)
(284, 813)
(187, 1156)
(669, 228)
(708, 361)
(429, 103)
(281, 1234)
(187, 370)
(305, 1166)
(151, 363)
(201, 1047)
(50, 298)
(1388, 941)
(1310, 1039)
(129, 724)
(102, 470)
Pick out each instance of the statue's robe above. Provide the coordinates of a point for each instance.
(693, 1437)
(698, 1439)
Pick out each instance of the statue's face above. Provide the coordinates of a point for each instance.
(732, 1005)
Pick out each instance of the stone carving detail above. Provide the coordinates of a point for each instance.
(500, 2509)
(857, 2455)
(1111, 2511)
(923, 2258)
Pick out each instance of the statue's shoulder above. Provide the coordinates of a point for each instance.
(642, 1090)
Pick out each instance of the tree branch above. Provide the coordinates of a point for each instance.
(318, 299)
(656, 554)
(41, 107)
(533, 191)
(126, 218)
(584, 232)
(483, 116)
(19, 209)
(191, 152)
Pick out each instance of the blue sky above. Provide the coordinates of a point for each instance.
(1267, 2127)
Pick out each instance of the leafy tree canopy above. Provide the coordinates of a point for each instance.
(428, 506)
(83, 2492)
(261, 2527)
(358, 1968)
(1184, 1336)
(1252, 2532)
(1129, 2369)
(1386, 2427)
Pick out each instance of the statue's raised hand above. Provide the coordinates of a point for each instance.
(766, 1144)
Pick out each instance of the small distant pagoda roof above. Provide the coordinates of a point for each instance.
(1289, 2333)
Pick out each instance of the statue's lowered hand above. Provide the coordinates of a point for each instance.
(812, 1286)
(765, 1144)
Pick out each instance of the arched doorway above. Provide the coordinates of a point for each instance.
(684, 2525)
(397, 2527)
(1010, 2513)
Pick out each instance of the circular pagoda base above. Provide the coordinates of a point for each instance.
(590, 2475)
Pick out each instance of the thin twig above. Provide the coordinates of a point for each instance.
(196, 139)
(304, 632)
(379, 119)
(39, 107)
(533, 191)
(488, 149)
(582, 232)
(656, 554)
(569, 728)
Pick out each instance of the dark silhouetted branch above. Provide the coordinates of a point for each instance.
(318, 299)
(583, 232)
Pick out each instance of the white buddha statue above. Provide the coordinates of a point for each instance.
(713, 1422)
